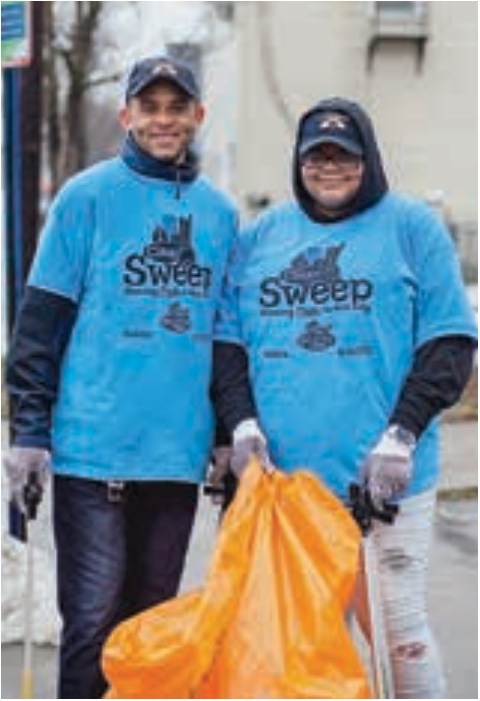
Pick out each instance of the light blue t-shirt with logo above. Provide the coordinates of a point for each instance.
(331, 316)
(145, 266)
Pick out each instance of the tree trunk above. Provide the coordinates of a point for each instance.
(66, 123)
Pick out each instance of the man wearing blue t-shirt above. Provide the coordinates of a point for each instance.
(110, 365)
(344, 332)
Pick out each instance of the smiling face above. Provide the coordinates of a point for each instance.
(332, 176)
(163, 120)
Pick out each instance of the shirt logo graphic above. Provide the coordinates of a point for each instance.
(305, 301)
(167, 265)
(176, 318)
(176, 249)
(314, 281)
(316, 338)
(311, 266)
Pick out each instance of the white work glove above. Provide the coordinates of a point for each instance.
(388, 469)
(248, 440)
(19, 464)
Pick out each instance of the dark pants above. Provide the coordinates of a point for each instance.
(114, 559)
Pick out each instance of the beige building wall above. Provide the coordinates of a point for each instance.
(291, 54)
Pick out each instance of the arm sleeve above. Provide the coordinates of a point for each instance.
(64, 250)
(440, 372)
(231, 391)
(39, 339)
(55, 285)
(442, 305)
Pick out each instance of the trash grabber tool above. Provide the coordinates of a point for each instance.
(32, 496)
(365, 513)
(225, 490)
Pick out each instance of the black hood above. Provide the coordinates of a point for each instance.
(374, 182)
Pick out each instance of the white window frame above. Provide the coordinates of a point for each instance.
(409, 20)
(409, 23)
(391, 12)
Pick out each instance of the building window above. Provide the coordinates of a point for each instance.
(400, 16)
(398, 22)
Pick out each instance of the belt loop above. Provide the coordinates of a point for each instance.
(116, 491)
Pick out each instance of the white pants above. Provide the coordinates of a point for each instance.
(402, 555)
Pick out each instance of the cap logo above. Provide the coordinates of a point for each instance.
(333, 121)
(165, 68)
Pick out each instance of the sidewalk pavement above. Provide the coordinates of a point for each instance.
(459, 459)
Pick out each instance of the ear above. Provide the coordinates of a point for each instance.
(199, 113)
(124, 117)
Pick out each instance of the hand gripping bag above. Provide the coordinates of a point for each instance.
(269, 621)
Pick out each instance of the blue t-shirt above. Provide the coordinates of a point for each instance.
(145, 267)
(331, 316)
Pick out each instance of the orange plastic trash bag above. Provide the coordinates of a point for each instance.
(269, 621)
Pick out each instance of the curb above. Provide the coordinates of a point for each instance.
(457, 493)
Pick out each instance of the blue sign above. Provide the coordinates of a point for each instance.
(15, 34)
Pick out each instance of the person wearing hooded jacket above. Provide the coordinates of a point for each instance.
(109, 366)
(344, 331)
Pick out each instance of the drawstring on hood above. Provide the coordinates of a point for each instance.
(142, 162)
(374, 183)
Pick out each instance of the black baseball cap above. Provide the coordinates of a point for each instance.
(330, 127)
(148, 70)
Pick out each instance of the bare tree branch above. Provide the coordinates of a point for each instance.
(103, 80)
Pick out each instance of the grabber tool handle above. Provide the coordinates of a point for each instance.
(213, 490)
(381, 665)
(364, 510)
(365, 513)
(32, 494)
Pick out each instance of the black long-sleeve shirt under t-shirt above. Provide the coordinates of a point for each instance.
(439, 374)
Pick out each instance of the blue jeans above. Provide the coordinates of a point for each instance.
(114, 559)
